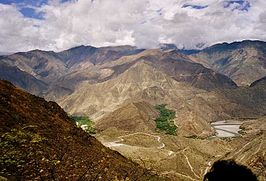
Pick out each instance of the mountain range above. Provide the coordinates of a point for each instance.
(243, 62)
(119, 87)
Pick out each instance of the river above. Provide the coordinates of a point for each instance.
(227, 128)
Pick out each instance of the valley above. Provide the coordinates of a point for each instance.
(181, 158)
(173, 113)
(174, 157)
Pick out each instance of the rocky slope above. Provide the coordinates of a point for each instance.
(244, 62)
(133, 117)
(250, 149)
(21, 79)
(67, 69)
(141, 82)
(63, 70)
(144, 81)
(40, 142)
(44, 65)
(74, 56)
(182, 69)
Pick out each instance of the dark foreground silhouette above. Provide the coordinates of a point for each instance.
(229, 170)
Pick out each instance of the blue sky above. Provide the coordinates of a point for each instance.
(242, 5)
(25, 2)
(31, 13)
(26, 7)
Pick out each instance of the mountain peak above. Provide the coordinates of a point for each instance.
(81, 48)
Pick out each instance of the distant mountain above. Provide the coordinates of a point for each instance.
(44, 65)
(21, 79)
(62, 72)
(244, 62)
(95, 55)
(183, 69)
(40, 142)
(253, 98)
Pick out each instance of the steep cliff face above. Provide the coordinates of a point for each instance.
(40, 142)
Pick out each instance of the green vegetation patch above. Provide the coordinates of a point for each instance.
(85, 123)
(165, 121)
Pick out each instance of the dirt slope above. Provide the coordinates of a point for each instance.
(40, 142)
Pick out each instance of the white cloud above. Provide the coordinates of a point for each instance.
(144, 23)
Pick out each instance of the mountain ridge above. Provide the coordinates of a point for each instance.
(39, 141)
(244, 62)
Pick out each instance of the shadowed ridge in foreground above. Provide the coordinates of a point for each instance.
(40, 142)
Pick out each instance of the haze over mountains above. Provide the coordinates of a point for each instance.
(119, 87)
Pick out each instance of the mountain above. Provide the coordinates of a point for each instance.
(178, 66)
(174, 64)
(134, 117)
(44, 65)
(244, 62)
(39, 141)
(141, 82)
(62, 71)
(92, 81)
(21, 79)
(95, 55)
(120, 89)
(181, 68)
(167, 46)
(259, 82)
(251, 100)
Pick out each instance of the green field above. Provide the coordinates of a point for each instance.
(82, 121)
(165, 121)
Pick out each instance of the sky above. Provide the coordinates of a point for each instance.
(61, 24)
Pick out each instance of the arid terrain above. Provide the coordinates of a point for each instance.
(173, 112)
(40, 142)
